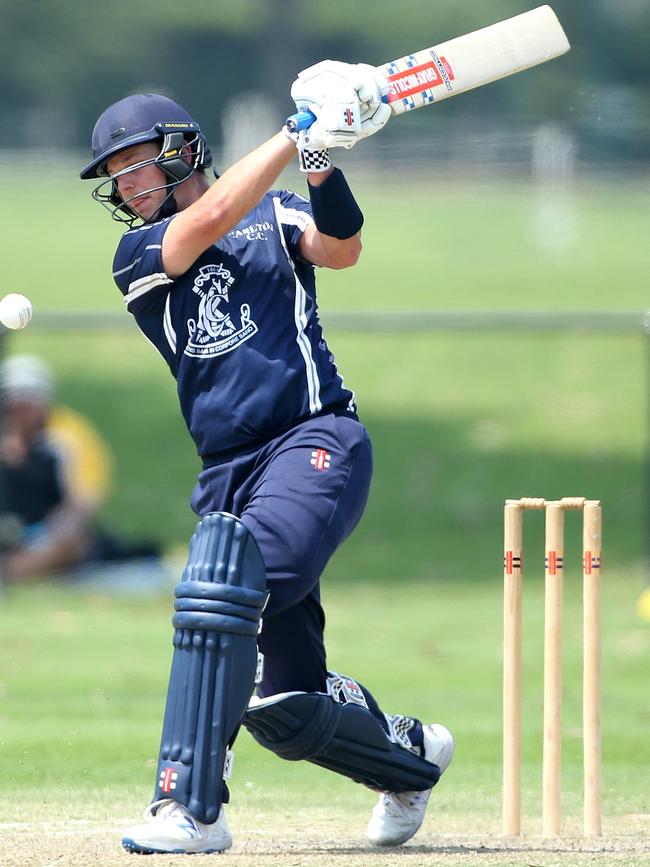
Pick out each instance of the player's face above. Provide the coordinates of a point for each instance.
(139, 185)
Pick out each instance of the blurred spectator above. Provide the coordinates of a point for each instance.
(55, 471)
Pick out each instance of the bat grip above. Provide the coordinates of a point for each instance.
(300, 120)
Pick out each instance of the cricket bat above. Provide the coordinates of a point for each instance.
(469, 61)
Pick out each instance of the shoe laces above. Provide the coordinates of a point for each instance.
(395, 802)
(163, 809)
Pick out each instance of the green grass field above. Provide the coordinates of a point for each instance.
(459, 422)
(83, 679)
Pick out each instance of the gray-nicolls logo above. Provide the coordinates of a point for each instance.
(215, 330)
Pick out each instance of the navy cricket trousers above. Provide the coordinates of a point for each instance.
(300, 495)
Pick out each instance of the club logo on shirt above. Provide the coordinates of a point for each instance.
(215, 330)
(254, 232)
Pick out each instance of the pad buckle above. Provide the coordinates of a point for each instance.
(228, 763)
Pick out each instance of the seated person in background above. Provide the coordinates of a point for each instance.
(54, 475)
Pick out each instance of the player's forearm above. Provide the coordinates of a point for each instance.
(339, 252)
(335, 240)
(242, 186)
(224, 204)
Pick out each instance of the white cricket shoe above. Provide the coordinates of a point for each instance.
(170, 827)
(397, 816)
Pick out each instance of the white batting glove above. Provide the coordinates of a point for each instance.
(328, 94)
(337, 124)
(342, 124)
(329, 79)
(372, 86)
(346, 100)
(373, 119)
(333, 79)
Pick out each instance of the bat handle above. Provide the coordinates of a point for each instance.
(300, 120)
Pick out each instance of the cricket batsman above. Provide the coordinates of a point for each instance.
(220, 279)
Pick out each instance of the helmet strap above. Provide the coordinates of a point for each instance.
(167, 209)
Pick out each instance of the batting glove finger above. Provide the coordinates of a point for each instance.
(371, 85)
(336, 125)
(319, 87)
(374, 119)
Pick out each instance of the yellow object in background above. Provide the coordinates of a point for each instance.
(86, 457)
(643, 605)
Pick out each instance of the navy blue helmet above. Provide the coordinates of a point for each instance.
(146, 117)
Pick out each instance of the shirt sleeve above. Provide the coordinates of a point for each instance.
(138, 270)
(294, 215)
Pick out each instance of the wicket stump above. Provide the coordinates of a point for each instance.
(512, 610)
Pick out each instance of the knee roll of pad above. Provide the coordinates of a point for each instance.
(219, 603)
(346, 739)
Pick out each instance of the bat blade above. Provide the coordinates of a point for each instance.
(474, 59)
(466, 62)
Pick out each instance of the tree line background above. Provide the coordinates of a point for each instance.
(65, 61)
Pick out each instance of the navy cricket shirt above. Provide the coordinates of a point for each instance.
(239, 330)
